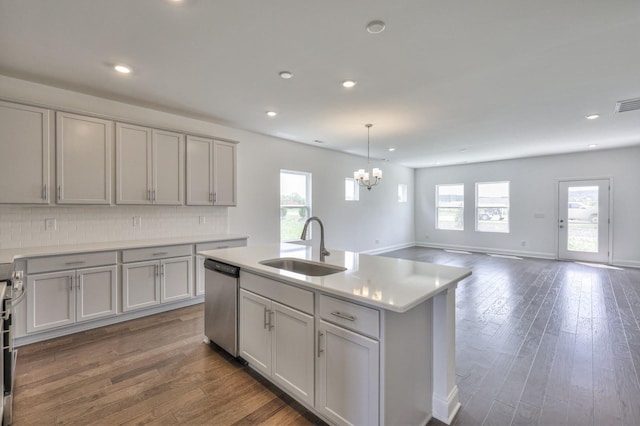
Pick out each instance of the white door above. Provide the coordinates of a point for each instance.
(50, 300)
(224, 169)
(583, 220)
(24, 150)
(96, 293)
(199, 171)
(347, 384)
(168, 168)
(175, 279)
(133, 164)
(292, 351)
(140, 285)
(83, 159)
(255, 333)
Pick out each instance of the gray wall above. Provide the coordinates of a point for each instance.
(533, 187)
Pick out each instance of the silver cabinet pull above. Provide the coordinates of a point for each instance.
(343, 316)
(162, 269)
(160, 253)
(154, 195)
(44, 192)
(59, 192)
(157, 270)
(80, 262)
(271, 312)
(149, 194)
(266, 322)
(214, 197)
(320, 350)
(211, 196)
(71, 284)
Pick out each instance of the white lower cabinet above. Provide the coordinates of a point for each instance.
(278, 341)
(153, 282)
(61, 298)
(347, 387)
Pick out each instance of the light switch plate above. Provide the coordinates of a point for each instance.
(203, 220)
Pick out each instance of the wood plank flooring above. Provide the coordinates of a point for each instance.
(538, 343)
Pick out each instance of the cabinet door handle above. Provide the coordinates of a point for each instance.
(211, 196)
(154, 195)
(157, 270)
(215, 196)
(266, 321)
(320, 350)
(80, 262)
(162, 270)
(71, 284)
(271, 312)
(149, 194)
(44, 192)
(161, 253)
(59, 192)
(343, 316)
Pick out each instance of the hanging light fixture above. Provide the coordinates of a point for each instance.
(364, 178)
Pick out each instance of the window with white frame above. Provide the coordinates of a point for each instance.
(402, 192)
(351, 190)
(450, 207)
(492, 207)
(295, 203)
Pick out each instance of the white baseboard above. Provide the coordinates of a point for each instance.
(626, 263)
(389, 248)
(521, 253)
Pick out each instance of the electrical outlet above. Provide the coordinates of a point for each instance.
(377, 241)
(137, 221)
(203, 220)
(50, 224)
(523, 243)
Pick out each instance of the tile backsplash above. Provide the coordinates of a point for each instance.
(24, 226)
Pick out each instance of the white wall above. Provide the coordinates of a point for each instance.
(534, 189)
(349, 225)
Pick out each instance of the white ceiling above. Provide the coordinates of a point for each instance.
(448, 81)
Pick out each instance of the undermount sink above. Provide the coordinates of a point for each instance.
(304, 267)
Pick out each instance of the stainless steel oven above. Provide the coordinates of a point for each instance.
(11, 290)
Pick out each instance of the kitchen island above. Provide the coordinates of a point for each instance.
(371, 342)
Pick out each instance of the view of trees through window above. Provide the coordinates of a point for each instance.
(295, 203)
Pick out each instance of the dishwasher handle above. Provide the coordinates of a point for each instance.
(222, 268)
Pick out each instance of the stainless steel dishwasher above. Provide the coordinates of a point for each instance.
(221, 304)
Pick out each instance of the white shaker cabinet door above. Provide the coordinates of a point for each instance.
(168, 168)
(25, 151)
(255, 333)
(133, 164)
(199, 171)
(140, 285)
(224, 180)
(50, 300)
(292, 354)
(176, 279)
(97, 291)
(83, 159)
(348, 376)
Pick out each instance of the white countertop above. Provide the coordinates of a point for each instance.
(393, 284)
(9, 255)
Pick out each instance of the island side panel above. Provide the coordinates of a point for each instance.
(406, 366)
(445, 390)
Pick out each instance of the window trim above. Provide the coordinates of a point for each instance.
(437, 204)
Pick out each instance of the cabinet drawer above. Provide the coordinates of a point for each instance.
(286, 294)
(349, 315)
(214, 245)
(137, 255)
(71, 261)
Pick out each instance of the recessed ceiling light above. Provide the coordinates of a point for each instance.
(272, 113)
(593, 145)
(391, 149)
(123, 69)
(592, 116)
(375, 27)
(286, 74)
(348, 83)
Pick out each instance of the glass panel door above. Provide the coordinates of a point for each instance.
(583, 220)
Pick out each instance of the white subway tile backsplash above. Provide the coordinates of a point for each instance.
(25, 226)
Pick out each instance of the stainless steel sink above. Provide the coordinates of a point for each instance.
(304, 267)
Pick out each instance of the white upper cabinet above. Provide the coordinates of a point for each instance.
(199, 171)
(149, 166)
(83, 159)
(211, 172)
(224, 169)
(25, 151)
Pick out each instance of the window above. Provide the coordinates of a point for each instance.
(492, 207)
(450, 207)
(351, 190)
(295, 203)
(402, 193)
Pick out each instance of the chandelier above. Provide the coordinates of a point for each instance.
(364, 177)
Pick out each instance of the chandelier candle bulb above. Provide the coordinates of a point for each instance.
(377, 173)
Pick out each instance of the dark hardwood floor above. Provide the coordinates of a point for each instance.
(538, 342)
